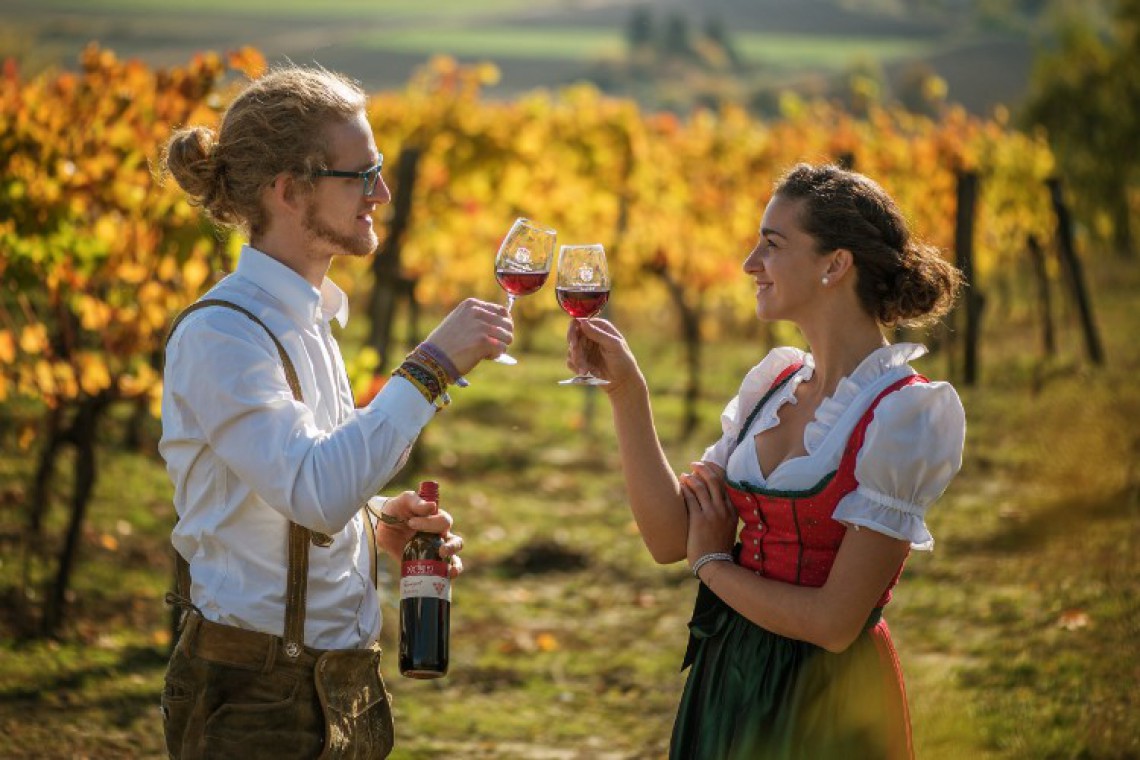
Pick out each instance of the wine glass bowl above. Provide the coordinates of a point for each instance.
(523, 264)
(582, 289)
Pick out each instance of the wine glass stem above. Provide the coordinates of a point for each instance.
(510, 302)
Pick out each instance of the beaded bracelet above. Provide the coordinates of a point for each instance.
(707, 558)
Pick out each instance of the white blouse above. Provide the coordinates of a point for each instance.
(911, 452)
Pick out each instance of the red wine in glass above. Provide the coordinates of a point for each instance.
(523, 264)
(582, 288)
(582, 302)
(520, 283)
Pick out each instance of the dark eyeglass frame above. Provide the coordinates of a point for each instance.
(371, 175)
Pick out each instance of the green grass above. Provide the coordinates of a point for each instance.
(1017, 634)
(773, 51)
(493, 42)
(814, 52)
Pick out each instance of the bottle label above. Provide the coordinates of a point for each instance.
(421, 578)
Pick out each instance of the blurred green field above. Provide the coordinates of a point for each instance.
(541, 43)
(1017, 634)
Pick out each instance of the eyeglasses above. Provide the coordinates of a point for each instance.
(371, 175)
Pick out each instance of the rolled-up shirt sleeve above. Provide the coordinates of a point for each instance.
(231, 380)
(912, 450)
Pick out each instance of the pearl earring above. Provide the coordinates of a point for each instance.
(826, 281)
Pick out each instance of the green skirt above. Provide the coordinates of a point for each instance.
(754, 695)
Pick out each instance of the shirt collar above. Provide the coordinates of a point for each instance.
(300, 299)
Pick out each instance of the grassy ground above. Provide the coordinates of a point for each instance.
(1017, 633)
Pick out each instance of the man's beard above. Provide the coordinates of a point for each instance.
(353, 245)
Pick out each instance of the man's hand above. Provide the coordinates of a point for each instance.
(475, 330)
(402, 516)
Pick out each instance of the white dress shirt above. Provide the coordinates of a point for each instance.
(246, 458)
(911, 452)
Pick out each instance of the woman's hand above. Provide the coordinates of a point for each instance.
(596, 345)
(712, 518)
(411, 514)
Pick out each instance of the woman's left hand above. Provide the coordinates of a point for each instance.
(712, 518)
(416, 515)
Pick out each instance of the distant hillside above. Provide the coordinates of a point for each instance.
(545, 43)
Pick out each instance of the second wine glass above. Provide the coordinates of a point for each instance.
(523, 264)
(583, 289)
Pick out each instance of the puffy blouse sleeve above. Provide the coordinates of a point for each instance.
(756, 383)
(912, 450)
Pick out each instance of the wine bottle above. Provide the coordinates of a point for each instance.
(425, 602)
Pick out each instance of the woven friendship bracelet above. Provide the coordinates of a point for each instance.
(425, 382)
(426, 376)
(707, 558)
(425, 360)
(445, 362)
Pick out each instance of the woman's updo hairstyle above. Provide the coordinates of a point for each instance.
(899, 281)
(276, 125)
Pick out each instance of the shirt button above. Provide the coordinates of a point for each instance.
(755, 542)
(756, 557)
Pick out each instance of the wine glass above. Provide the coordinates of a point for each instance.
(583, 288)
(523, 264)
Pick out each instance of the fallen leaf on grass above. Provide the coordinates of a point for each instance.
(1073, 620)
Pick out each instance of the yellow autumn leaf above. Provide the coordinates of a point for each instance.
(546, 642)
(65, 382)
(131, 272)
(154, 404)
(44, 377)
(109, 542)
(195, 272)
(167, 268)
(106, 230)
(93, 313)
(34, 339)
(27, 437)
(93, 374)
(7, 347)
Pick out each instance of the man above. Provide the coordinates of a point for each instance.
(271, 462)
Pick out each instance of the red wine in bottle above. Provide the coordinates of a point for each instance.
(520, 283)
(579, 302)
(425, 602)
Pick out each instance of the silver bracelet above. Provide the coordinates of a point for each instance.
(707, 558)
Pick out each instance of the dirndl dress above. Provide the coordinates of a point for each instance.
(755, 695)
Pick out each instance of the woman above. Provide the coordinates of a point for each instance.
(829, 459)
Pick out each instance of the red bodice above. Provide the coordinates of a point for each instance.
(790, 536)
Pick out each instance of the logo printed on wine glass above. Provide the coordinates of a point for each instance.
(523, 256)
(586, 273)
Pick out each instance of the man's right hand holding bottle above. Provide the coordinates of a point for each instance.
(403, 515)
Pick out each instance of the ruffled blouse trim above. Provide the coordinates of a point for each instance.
(878, 363)
(886, 515)
(757, 383)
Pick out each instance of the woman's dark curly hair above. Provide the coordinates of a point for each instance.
(899, 280)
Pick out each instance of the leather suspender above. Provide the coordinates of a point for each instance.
(299, 536)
